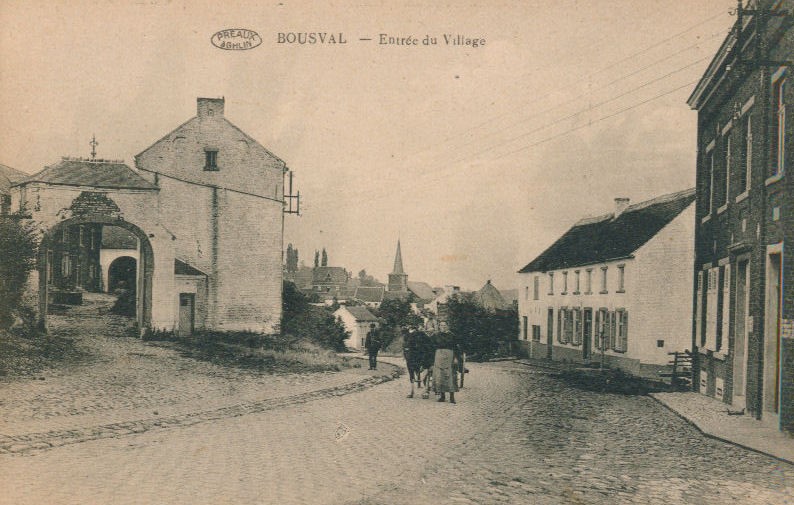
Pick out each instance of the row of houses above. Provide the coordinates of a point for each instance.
(705, 269)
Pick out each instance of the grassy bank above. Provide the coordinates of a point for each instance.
(22, 356)
(264, 353)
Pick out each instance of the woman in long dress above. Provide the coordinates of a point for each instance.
(444, 380)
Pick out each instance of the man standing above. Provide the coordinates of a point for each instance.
(372, 343)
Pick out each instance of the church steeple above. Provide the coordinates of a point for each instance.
(398, 279)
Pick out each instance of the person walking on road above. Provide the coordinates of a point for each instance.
(372, 344)
(444, 380)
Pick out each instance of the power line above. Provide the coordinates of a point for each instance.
(611, 65)
(581, 111)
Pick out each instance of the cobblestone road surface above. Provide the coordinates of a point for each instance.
(143, 425)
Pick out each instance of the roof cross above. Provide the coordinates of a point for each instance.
(93, 145)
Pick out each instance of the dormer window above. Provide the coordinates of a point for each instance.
(211, 160)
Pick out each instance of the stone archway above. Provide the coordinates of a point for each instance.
(144, 274)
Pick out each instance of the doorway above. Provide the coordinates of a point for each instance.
(587, 340)
(741, 333)
(549, 332)
(187, 314)
(771, 385)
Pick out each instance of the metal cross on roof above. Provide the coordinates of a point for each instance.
(93, 144)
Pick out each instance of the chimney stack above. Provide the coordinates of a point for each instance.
(621, 204)
(210, 107)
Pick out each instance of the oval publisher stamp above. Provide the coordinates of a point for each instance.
(236, 39)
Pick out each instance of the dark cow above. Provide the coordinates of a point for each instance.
(419, 351)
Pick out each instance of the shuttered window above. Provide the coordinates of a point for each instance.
(621, 330)
(576, 337)
(724, 341)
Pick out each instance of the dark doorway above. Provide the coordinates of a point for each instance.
(187, 313)
(122, 274)
(549, 333)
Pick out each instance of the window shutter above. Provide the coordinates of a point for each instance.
(624, 343)
(559, 324)
(597, 326)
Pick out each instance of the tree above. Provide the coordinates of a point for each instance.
(301, 320)
(325, 258)
(396, 314)
(316, 258)
(18, 246)
(481, 333)
(292, 259)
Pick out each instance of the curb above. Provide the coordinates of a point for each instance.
(717, 437)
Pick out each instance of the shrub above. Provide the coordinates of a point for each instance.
(302, 321)
(18, 246)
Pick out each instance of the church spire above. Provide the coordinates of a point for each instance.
(398, 261)
(398, 279)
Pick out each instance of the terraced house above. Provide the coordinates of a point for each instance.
(614, 288)
(743, 303)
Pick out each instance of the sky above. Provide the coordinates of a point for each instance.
(475, 158)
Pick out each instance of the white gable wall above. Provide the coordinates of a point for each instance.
(664, 273)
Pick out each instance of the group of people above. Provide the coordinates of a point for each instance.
(439, 355)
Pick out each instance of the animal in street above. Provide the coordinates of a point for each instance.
(419, 352)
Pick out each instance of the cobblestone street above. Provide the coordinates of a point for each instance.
(517, 435)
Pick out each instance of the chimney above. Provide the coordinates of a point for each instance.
(620, 205)
(210, 107)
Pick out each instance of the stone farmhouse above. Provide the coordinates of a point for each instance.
(575, 298)
(205, 206)
(743, 328)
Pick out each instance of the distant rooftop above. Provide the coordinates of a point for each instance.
(97, 173)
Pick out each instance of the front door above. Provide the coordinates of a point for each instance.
(549, 333)
(771, 384)
(187, 304)
(587, 338)
(741, 334)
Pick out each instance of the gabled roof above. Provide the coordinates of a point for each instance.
(606, 238)
(370, 294)
(333, 275)
(9, 176)
(183, 268)
(116, 237)
(490, 297)
(422, 290)
(93, 173)
(397, 295)
(362, 313)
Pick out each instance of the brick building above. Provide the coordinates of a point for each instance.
(575, 299)
(744, 288)
(221, 196)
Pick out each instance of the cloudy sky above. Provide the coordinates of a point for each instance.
(476, 158)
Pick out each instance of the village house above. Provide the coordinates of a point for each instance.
(8, 176)
(330, 282)
(205, 207)
(743, 328)
(356, 321)
(576, 297)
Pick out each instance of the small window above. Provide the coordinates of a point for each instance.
(621, 278)
(745, 176)
(81, 235)
(526, 293)
(564, 283)
(589, 282)
(211, 160)
(551, 283)
(576, 282)
(779, 135)
(536, 289)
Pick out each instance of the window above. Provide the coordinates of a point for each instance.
(560, 323)
(602, 329)
(568, 326)
(612, 330)
(603, 279)
(551, 283)
(710, 164)
(727, 187)
(699, 310)
(211, 160)
(536, 332)
(576, 326)
(536, 289)
(576, 282)
(564, 283)
(66, 266)
(745, 172)
(621, 278)
(526, 293)
(712, 295)
(622, 330)
(723, 340)
(779, 135)
(589, 282)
